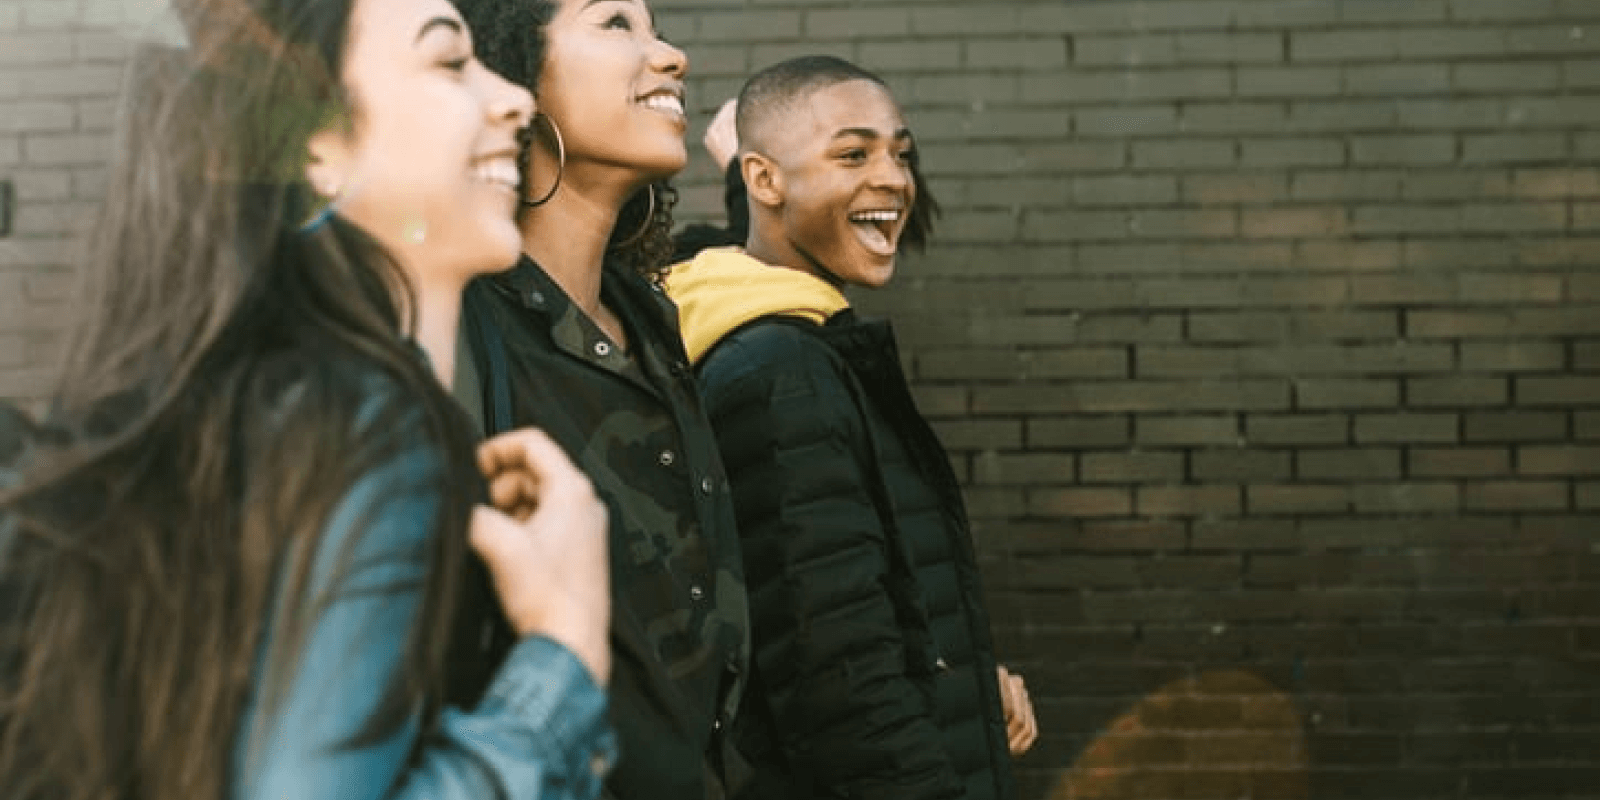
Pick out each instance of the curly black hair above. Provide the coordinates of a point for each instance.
(643, 243)
(510, 39)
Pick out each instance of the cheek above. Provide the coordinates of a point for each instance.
(571, 80)
(441, 129)
(418, 163)
(819, 226)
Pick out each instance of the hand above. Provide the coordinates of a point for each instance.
(545, 543)
(1021, 728)
(722, 135)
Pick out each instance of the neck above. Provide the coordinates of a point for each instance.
(437, 314)
(768, 245)
(567, 236)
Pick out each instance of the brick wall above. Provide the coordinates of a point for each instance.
(1264, 335)
(1266, 338)
(60, 66)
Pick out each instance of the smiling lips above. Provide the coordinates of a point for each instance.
(668, 101)
(499, 170)
(878, 229)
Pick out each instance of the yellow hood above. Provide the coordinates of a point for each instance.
(722, 288)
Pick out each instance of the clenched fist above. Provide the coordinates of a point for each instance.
(543, 537)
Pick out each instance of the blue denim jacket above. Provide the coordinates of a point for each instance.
(539, 731)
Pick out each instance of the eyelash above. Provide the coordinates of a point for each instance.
(455, 65)
(619, 21)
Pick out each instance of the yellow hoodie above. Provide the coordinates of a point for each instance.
(722, 288)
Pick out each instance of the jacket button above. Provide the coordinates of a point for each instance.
(716, 724)
(602, 349)
(941, 665)
(707, 485)
(666, 458)
(697, 592)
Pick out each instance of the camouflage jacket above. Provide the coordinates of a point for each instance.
(635, 423)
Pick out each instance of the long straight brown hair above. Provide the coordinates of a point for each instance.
(235, 373)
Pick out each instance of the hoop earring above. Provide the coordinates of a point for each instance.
(561, 162)
(649, 220)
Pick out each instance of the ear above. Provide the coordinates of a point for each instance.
(328, 162)
(763, 179)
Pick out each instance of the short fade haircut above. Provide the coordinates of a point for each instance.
(773, 93)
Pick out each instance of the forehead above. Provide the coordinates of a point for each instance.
(570, 7)
(856, 104)
(396, 23)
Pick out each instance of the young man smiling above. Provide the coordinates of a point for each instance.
(872, 673)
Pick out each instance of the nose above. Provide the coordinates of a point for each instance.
(509, 102)
(889, 172)
(669, 59)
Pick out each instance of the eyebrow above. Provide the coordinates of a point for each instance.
(439, 22)
(870, 133)
(651, 15)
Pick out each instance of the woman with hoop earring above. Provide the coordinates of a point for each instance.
(578, 339)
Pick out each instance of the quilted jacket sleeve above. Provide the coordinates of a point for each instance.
(827, 643)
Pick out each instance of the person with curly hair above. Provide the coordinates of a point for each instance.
(578, 339)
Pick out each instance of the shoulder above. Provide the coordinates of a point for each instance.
(342, 396)
(372, 467)
(788, 341)
(770, 347)
(778, 362)
(346, 434)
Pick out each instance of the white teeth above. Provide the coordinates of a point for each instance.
(665, 102)
(502, 171)
(875, 216)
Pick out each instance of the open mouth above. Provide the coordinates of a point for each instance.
(666, 101)
(499, 171)
(879, 229)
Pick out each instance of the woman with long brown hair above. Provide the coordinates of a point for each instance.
(577, 339)
(236, 559)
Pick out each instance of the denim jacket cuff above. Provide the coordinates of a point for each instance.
(544, 683)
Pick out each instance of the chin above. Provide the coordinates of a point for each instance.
(873, 276)
(501, 249)
(878, 280)
(665, 164)
(885, 273)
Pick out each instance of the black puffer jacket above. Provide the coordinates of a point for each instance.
(873, 669)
